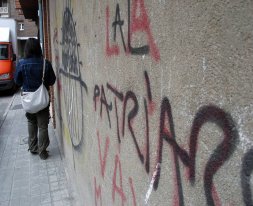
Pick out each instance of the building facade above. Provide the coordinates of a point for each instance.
(4, 8)
(26, 28)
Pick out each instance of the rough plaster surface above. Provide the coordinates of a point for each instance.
(169, 123)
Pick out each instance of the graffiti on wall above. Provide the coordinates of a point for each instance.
(205, 114)
(73, 86)
(247, 169)
(124, 108)
(135, 23)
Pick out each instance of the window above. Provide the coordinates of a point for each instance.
(4, 8)
(3, 3)
(4, 52)
(21, 26)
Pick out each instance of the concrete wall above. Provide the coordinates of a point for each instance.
(154, 99)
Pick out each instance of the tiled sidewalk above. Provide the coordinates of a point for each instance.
(25, 179)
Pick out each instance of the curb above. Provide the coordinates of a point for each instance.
(7, 110)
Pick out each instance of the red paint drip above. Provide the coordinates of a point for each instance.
(167, 132)
(151, 108)
(115, 187)
(216, 196)
(98, 195)
(132, 190)
(95, 104)
(103, 160)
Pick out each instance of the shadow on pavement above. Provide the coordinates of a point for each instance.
(8, 93)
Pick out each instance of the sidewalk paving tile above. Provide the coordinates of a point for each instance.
(26, 180)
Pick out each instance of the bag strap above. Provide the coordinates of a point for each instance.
(44, 66)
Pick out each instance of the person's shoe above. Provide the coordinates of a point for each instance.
(34, 152)
(44, 155)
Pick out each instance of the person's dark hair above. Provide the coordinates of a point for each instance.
(32, 48)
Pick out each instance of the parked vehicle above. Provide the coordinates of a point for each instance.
(8, 52)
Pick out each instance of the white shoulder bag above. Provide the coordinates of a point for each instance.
(33, 102)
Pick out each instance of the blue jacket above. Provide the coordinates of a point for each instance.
(29, 74)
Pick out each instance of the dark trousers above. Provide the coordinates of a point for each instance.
(38, 139)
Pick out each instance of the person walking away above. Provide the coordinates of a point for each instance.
(29, 75)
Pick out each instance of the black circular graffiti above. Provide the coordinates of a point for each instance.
(70, 56)
(73, 84)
